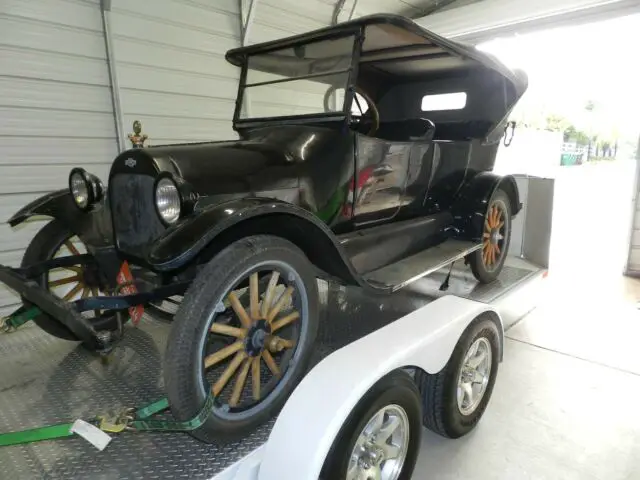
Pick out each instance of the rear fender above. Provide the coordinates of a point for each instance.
(208, 231)
(470, 207)
(93, 227)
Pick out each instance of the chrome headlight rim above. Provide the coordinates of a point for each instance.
(186, 194)
(92, 184)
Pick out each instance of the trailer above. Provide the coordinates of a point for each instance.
(45, 381)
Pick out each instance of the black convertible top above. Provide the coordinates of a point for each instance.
(400, 47)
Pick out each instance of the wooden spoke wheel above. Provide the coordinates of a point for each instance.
(493, 236)
(244, 332)
(258, 328)
(68, 283)
(487, 262)
(75, 282)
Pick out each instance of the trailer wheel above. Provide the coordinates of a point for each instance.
(252, 311)
(69, 283)
(487, 262)
(455, 398)
(381, 438)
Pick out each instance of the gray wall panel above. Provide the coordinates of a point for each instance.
(177, 83)
(55, 108)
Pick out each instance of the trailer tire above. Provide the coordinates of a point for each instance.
(394, 394)
(444, 413)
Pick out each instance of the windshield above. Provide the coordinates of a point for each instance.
(294, 81)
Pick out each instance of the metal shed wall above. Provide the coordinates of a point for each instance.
(170, 67)
(55, 107)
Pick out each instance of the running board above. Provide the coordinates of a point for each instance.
(399, 274)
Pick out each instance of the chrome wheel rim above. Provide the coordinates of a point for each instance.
(474, 376)
(381, 448)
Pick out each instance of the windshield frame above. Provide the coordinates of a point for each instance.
(342, 115)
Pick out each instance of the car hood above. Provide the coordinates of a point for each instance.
(268, 158)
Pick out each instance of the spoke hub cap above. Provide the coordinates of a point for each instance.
(257, 337)
(495, 236)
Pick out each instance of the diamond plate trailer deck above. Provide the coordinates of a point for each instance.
(44, 380)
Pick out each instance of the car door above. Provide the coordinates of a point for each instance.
(380, 180)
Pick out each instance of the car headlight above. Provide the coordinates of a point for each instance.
(86, 189)
(168, 201)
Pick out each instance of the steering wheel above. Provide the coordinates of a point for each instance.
(371, 112)
(363, 116)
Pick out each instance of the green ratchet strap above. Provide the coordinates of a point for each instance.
(18, 318)
(140, 422)
(36, 434)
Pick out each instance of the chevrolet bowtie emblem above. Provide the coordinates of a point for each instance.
(130, 162)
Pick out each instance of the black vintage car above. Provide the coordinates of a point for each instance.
(364, 156)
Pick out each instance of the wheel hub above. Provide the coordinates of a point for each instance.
(257, 337)
(474, 376)
(495, 236)
(381, 448)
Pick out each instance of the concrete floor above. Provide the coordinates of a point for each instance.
(565, 405)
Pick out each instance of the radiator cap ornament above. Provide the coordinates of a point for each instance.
(137, 138)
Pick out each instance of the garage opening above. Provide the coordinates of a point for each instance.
(577, 124)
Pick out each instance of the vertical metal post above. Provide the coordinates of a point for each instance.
(246, 21)
(105, 7)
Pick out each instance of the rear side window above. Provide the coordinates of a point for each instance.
(444, 101)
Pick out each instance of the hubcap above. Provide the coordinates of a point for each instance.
(493, 237)
(259, 327)
(381, 447)
(474, 376)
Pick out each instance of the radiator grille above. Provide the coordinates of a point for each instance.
(136, 223)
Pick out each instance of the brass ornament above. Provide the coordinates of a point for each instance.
(137, 138)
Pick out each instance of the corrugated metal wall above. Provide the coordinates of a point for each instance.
(55, 107)
(170, 67)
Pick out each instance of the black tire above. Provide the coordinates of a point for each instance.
(43, 247)
(488, 273)
(396, 388)
(185, 377)
(439, 392)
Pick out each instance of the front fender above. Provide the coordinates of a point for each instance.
(310, 420)
(181, 243)
(93, 228)
(470, 206)
(51, 205)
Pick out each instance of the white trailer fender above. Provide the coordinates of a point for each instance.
(312, 417)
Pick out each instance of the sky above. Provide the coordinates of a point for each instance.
(568, 66)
